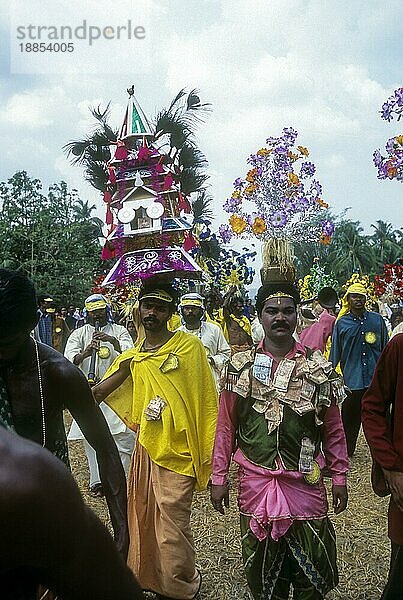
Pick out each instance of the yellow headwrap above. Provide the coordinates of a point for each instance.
(355, 288)
(97, 304)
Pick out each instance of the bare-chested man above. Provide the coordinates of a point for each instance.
(37, 383)
(49, 536)
(236, 326)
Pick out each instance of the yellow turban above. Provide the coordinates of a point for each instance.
(354, 288)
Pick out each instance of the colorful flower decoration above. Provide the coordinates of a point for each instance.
(390, 165)
(233, 269)
(279, 197)
(390, 283)
(117, 295)
(315, 280)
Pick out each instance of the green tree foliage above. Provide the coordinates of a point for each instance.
(352, 251)
(51, 237)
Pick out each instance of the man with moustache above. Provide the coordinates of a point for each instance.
(107, 342)
(279, 418)
(37, 384)
(359, 336)
(193, 315)
(164, 386)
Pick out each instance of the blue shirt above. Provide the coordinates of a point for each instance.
(45, 328)
(357, 343)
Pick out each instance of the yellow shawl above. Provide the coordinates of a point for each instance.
(243, 322)
(179, 373)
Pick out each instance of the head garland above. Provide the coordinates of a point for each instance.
(276, 290)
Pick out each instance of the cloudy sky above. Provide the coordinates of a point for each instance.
(323, 67)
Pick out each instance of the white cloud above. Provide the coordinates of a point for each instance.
(264, 65)
(34, 109)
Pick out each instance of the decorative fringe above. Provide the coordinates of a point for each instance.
(278, 261)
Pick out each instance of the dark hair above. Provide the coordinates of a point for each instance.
(18, 308)
(268, 289)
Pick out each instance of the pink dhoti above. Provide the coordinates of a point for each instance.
(161, 552)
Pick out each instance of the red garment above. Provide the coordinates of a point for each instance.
(385, 442)
(316, 335)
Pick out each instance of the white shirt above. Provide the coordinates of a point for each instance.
(78, 340)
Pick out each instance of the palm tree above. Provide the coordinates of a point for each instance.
(385, 242)
(83, 212)
(94, 151)
(351, 251)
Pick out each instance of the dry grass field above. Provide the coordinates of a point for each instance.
(363, 547)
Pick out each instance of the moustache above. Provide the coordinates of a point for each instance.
(280, 326)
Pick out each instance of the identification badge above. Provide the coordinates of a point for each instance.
(262, 368)
(104, 352)
(313, 477)
(170, 363)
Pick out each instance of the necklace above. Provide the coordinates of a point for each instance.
(41, 394)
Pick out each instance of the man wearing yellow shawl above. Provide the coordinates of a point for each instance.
(164, 386)
(235, 325)
(358, 339)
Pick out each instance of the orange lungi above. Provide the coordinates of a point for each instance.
(161, 552)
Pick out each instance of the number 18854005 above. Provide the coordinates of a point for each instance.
(43, 47)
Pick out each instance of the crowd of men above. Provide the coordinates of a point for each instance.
(197, 383)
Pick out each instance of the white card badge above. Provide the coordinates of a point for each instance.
(262, 368)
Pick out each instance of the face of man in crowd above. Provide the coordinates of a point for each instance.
(154, 314)
(44, 306)
(237, 308)
(97, 315)
(279, 318)
(192, 316)
(356, 302)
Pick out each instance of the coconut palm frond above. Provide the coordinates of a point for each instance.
(101, 138)
(195, 112)
(191, 156)
(99, 114)
(97, 153)
(168, 123)
(102, 116)
(192, 181)
(77, 150)
(96, 173)
(201, 206)
(177, 99)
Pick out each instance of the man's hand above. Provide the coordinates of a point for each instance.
(340, 498)
(86, 353)
(100, 336)
(394, 479)
(122, 539)
(103, 337)
(218, 494)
